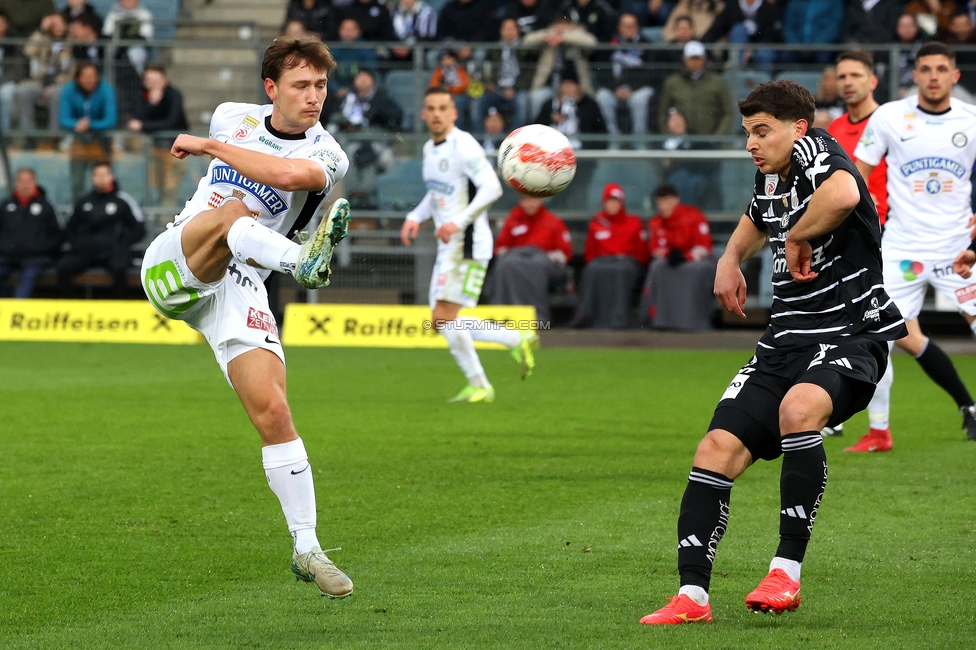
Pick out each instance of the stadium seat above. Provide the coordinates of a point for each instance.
(742, 82)
(637, 177)
(402, 187)
(809, 80)
(400, 84)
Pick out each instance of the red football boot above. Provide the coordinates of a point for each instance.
(681, 609)
(873, 441)
(776, 593)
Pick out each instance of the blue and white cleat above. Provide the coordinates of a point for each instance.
(312, 270)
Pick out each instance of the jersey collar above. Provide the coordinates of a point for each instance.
(278, 134)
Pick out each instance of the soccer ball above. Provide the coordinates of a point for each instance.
(537, 160)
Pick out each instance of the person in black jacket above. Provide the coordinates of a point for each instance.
(105, 224)
(318, 17)
(373, 18)
(628, 83)
(750, 21)
(595, 16)
(467, 21)
(30, 234)
(160, 109)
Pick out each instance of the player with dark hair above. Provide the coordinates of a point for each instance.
(819, 359)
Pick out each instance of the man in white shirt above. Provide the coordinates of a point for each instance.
(929, 143)
(453, 161)
(272, 167)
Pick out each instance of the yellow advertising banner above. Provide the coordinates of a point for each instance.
(387, 326)
(91, 321)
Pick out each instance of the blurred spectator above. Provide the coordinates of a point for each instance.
(667, 60)
(531, 15)
(653, 13)
(29, 234)
(828, 96)
(961, 33)
(531, 253)
(871, 21)
(934, 17)
(506, 84)
(85, 45)
(50, 68)
(702, 14)
(160, 109)
(822, 119)
(677, 292)
(692, 178)
(812, 22)
(13, 69)
(629, 85)
(104, 225)
(413, 21)
(373, 19)
(25, 15)
(615, 255)
(909, 40)
(700, 95)
(130, 21)
(467, 21)
(749, 21)
(596, 16)
(563, 46)
(573, 113)
(315, 15)
(495, 132)
(349, 61)
(82, 9)
(455, 78)
(88, 110)
(295, 29)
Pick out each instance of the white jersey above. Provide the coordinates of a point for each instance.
(930, 162)
(249, 126)
(450, 168)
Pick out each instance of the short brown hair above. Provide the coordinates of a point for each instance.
(857, 55)
(438, 90)
(784, 99)
(155, 67)
(935, 48)
(287, 52)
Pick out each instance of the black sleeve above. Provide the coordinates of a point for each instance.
(818, 156)
(173, 120)
(755, 216)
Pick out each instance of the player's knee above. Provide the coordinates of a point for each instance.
(799, 414)
(721, 453)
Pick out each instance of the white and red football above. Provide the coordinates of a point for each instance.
(537, 160)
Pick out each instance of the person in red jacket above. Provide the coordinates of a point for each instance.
(531, 253)
(615, 254)
(677, 292)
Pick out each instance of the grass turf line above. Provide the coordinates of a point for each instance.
(136, 514)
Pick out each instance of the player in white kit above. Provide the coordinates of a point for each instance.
(272, 167)
(929, 143)
(454, 161)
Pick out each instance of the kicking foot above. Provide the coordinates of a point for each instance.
(873, 441)
(315, 566)
(681, 609)
(474, 394)
(777, 593)
(523, 354)
(312, 270)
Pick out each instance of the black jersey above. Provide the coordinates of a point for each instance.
(847, 298)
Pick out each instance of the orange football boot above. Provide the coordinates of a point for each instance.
(872, 441)
(681, 609)
(776, 593)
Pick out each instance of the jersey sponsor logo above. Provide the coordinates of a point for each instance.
(938, 164)
(328, 156)
(966, 294)
(911, 270)
(959, 139)
(439, 186)
(259, 320)
(269, 143)
(772, 180)
(244, 129)
(443, 165)
(267, 196)
(874, 313)
(932, 186)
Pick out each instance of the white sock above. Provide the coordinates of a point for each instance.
(290, 478)
(249, 240)
(792, 567)
(696, 593)
(880, 404)
(488, 332)
(462, 348)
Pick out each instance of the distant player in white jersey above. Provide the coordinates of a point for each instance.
(272, 167)
(454, 161)
(929, 143)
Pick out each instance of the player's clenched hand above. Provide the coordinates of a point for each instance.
(963, 264)
(798, 258)
(730, 287)
(188, 145)
(408, 232)
(448, 230)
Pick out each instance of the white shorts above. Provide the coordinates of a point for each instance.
(905, 282)
(456, 279)
(232, 313)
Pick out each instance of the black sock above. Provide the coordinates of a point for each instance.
(701, 524)
(801, 487)
(938, 366)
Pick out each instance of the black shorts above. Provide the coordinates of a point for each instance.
(848, 369)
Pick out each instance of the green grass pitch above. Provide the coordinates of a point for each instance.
(134, 511)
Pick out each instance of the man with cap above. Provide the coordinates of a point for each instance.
(699, 94)
(615, 255)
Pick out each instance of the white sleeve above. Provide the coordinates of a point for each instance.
(482, 174)
(874, 141)
(423, 211)
(333, 161)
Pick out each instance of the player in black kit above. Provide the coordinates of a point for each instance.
(818, 361)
